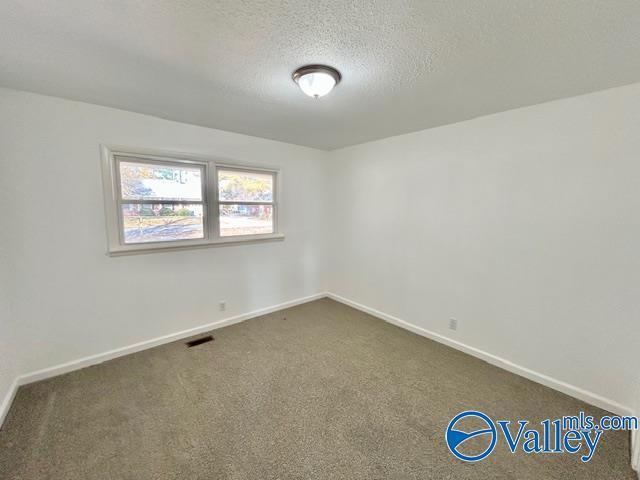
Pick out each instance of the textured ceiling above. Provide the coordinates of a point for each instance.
(406, 65)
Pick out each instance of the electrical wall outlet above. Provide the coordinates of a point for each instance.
(223, 306)
(453, 324)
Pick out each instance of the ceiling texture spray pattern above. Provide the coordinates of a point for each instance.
(406, 65)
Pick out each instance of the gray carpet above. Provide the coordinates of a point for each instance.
(318, 391)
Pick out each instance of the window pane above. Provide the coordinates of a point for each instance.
(245, 220)
(148, 181)
(161, 223)
(236, 186)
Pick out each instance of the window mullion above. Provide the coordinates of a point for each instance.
(212, 201)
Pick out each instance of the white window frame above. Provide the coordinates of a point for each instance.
(210, 202)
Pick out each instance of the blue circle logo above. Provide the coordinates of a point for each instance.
(457, 438)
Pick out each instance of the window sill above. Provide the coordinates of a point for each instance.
(138, 249)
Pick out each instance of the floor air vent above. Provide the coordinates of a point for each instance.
(200, 341)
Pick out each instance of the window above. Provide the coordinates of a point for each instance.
(159, 201)
(245, 200)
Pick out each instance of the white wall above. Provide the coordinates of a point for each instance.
(524, 225)
(8, 371)
(7, 366)
(70, 300)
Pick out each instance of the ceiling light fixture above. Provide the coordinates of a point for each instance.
(316, 80)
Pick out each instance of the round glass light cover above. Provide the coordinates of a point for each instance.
(316, 84)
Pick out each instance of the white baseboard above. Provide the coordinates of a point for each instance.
(137, 347)
(571, 390)
(566, 388)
